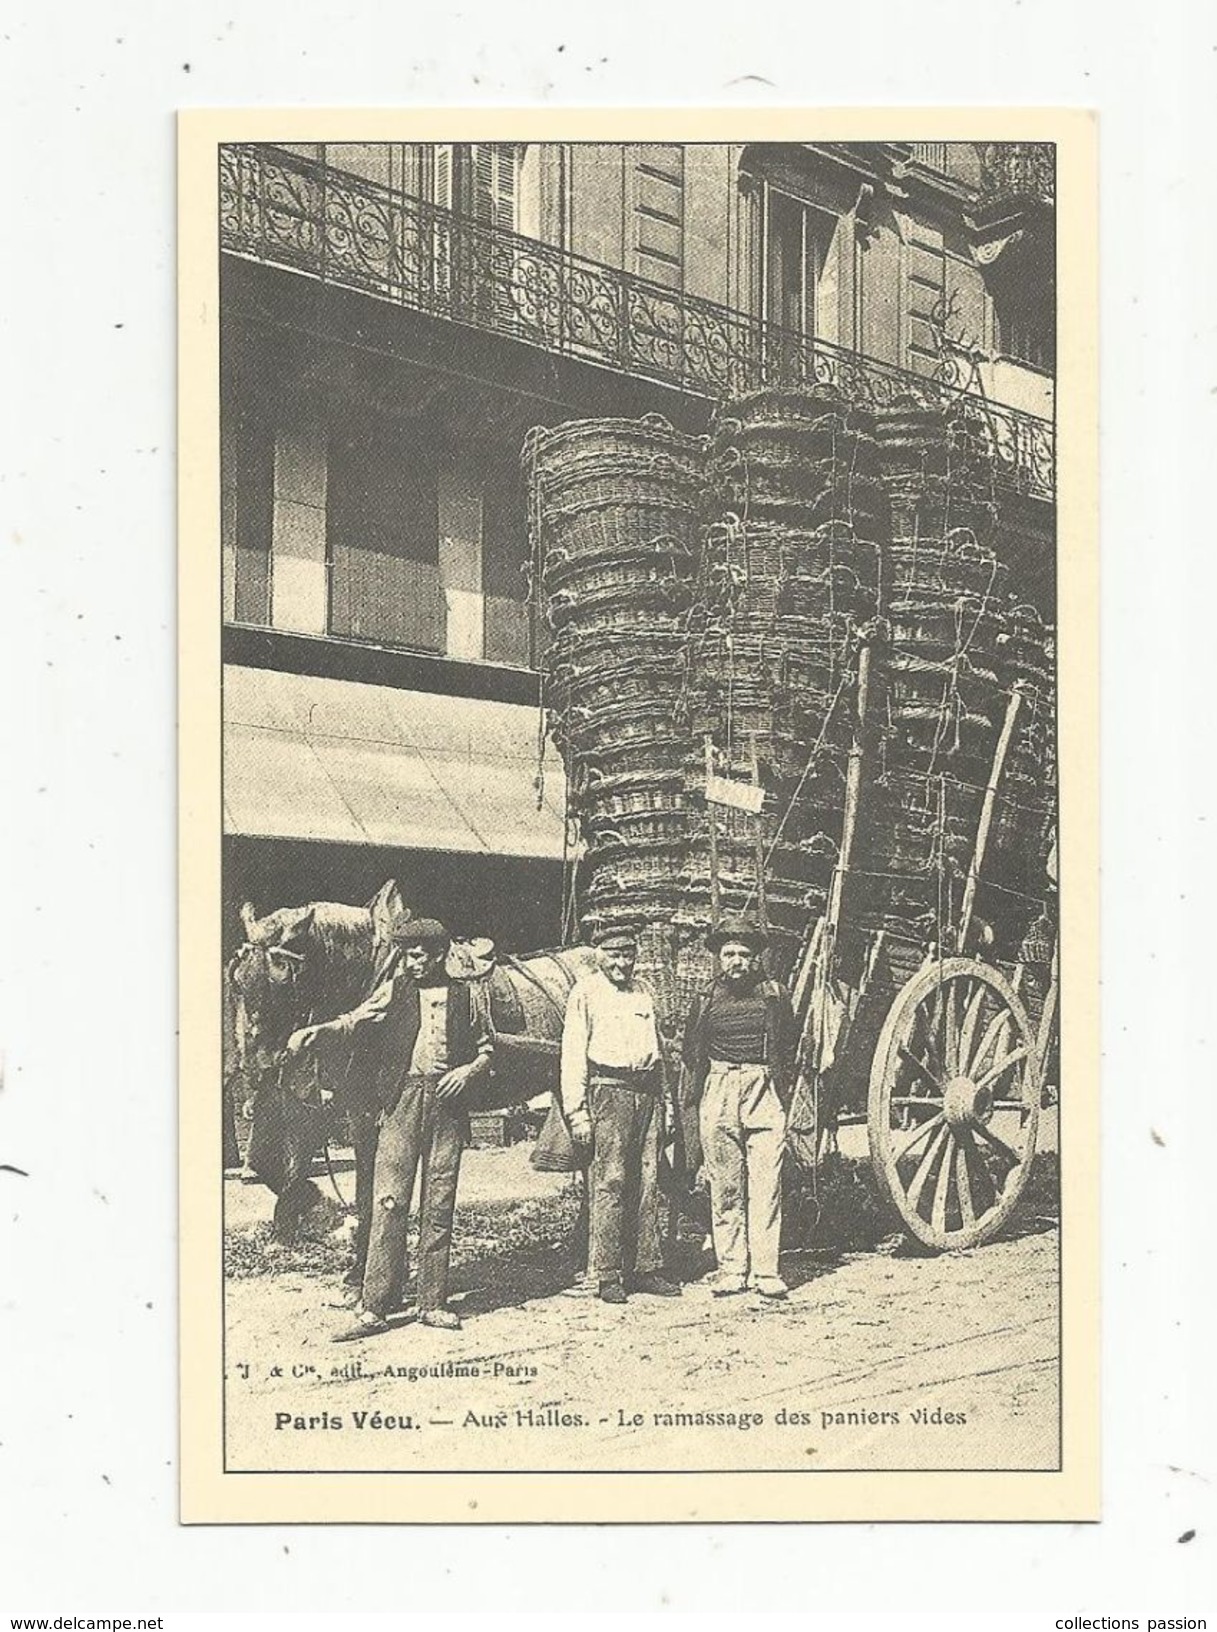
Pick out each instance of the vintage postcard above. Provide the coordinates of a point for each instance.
(639, 816)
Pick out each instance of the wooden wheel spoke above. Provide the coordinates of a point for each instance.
(999, 1023)
(911, 1143)
(1002, 1066)
(953, 1101)
(963, 1186)
(997, 1144)
(942, 1190)
(933, 1031)
(920, 1067)
(951, 1024)
(925, 1167)
(970, 1022)
(985, 1193)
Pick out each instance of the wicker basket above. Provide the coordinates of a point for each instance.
(641, 800)
(936, 572)
(792, 405)
(596, 526)
(611, 592)
(553, 457)
(789, 496)
(662, 554)
(828, 436)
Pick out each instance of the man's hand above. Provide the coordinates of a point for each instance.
(581, 1130)
(301, 1040)
(453, 1083)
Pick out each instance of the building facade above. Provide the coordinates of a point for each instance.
(395, 318)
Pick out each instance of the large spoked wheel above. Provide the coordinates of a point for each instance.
(954, 1103)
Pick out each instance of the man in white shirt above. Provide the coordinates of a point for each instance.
(612, 1094)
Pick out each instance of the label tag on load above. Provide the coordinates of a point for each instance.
(720, 790)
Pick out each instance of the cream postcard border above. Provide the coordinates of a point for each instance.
(208, 1494)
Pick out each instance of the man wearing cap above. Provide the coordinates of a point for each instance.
(612, 1094)
(435, 1043)
(739, 1053)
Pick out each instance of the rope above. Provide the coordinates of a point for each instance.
(816, 749)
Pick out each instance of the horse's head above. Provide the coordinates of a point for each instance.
(270, 990)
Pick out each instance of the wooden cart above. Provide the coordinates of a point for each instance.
(953, 1089)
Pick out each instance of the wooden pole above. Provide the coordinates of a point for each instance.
(762, 903)
(826, 962)
(715, 902)
(1000, 754)
(804, 971)
(853, 790)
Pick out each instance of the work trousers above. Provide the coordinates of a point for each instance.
(743, 1135)
(626, 1127)
(419, 1130)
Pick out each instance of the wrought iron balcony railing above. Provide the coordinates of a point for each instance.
(293, 212)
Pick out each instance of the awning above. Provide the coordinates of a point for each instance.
(350, 763)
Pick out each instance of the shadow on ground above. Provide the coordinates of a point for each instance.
(509, 1252)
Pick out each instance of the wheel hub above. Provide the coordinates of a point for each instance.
(965, 1103)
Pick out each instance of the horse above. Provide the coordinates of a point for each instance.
(301, 966)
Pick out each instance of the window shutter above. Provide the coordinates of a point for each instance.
(494, 184)
(925, 298)
(444, 168)
(658, 187)
(482, 171)
(505, 186)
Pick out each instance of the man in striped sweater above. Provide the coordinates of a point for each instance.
(739, 1054)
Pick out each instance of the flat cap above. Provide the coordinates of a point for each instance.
(747, 931)
(615, 937)
(408, 931)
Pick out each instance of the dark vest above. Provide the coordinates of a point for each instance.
(395, 1043)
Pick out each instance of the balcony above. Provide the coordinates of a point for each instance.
(291, 212)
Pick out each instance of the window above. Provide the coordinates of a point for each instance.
(477, 179)
(383, 537)
(504, 556)
(1023, 317)
(478, 182)
(800, 266)
(493, 177)
(425, 547)
(444, 180)
(246, 514)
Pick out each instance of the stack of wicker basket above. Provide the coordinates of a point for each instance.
(951, 660)
(614, 517)
(796, 517)
(709, 604)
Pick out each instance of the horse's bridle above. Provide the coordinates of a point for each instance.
(295, 966)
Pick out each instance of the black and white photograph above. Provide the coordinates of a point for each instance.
(607, 837)
(639, 902)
